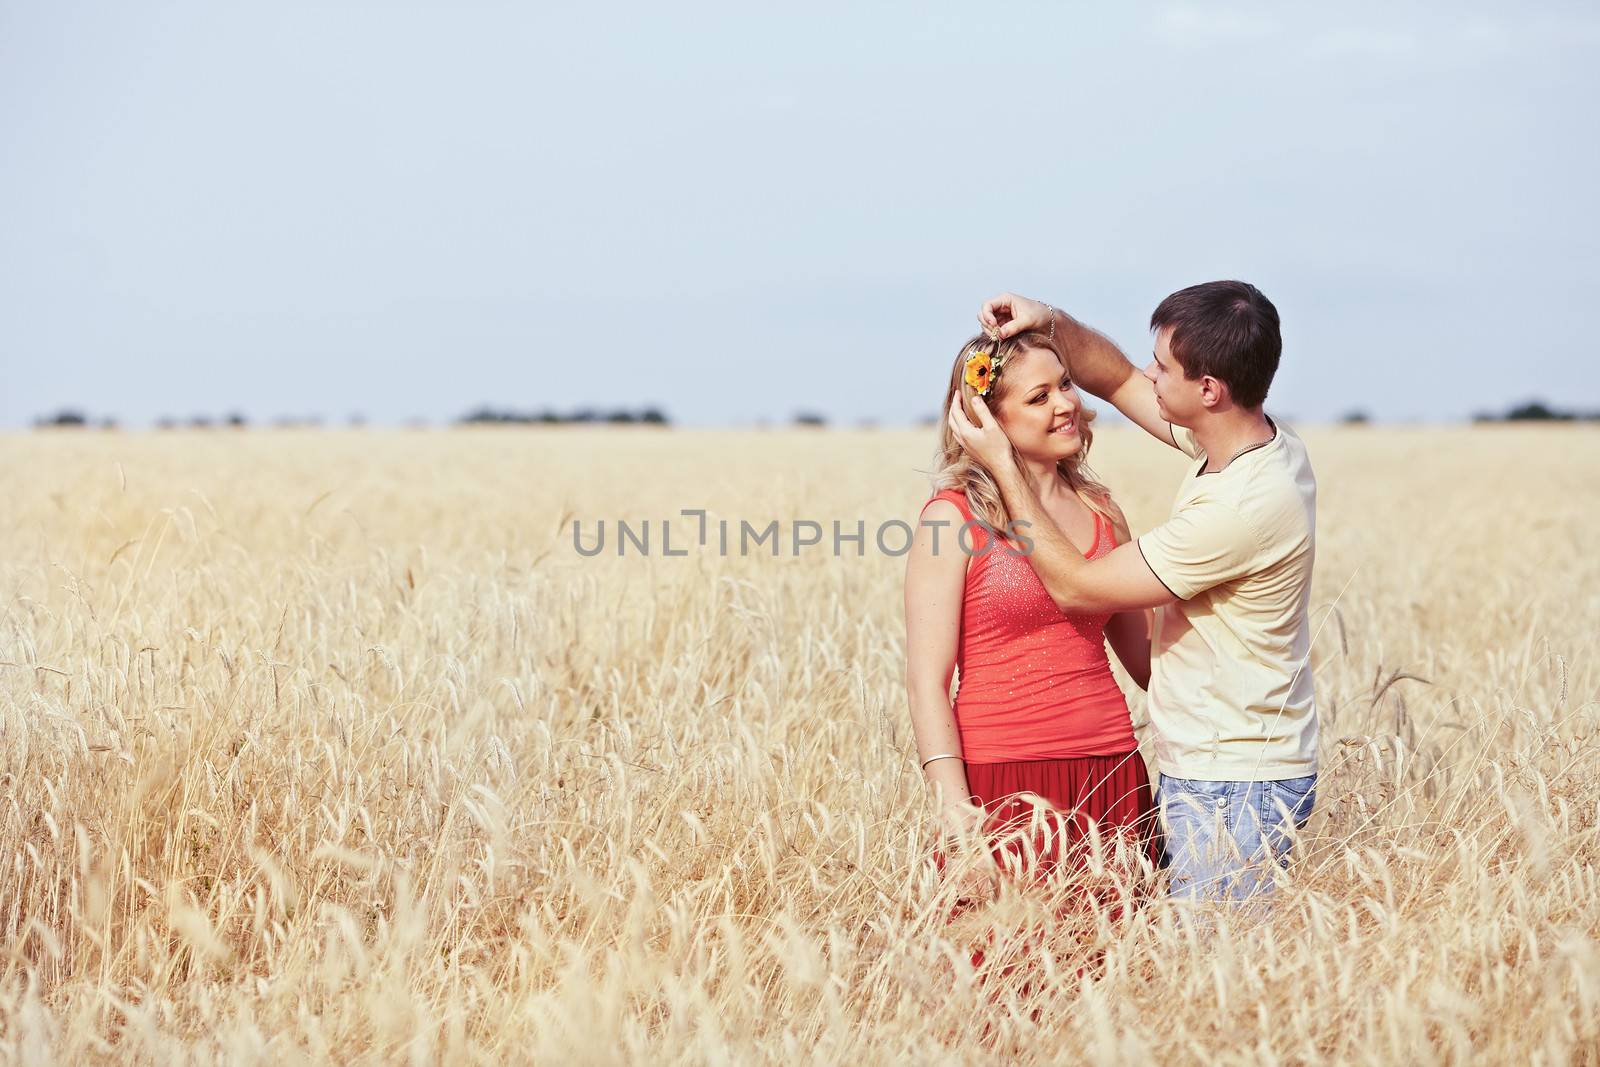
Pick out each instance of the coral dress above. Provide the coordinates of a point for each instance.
(1039, 713)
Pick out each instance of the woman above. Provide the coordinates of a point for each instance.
(1037, 711)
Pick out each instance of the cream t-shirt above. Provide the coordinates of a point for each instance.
(1230, 678)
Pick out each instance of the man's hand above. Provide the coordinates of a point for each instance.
(1009, 314)
(986, 442)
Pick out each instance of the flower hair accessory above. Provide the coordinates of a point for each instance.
(981, 371)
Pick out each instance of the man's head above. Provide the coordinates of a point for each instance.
(1217, 347)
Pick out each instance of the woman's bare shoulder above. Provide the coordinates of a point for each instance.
(942, 506)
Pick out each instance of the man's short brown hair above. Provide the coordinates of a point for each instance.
(1227, 330)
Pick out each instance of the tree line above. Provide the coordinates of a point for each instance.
(72, 418)
(1526, 411)
(485, 415)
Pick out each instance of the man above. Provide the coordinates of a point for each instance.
(1229, 574)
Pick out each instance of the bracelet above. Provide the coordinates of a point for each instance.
(1051, 336)
(942, 755)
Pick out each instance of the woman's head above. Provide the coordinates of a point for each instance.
(1035, 403)
(1031, 397)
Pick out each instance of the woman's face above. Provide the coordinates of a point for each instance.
(1040, 410)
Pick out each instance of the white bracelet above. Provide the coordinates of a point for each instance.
(1051, 336)
(942, 755)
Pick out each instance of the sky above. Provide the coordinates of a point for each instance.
(736, 213)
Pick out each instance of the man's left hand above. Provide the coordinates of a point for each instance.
(986, 441)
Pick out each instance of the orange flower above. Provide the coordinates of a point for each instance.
(980, 372)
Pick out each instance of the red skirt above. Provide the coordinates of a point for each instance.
(1043, 815)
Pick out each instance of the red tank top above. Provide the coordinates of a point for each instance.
(1035, 682)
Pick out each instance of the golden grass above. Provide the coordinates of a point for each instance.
(328, 747)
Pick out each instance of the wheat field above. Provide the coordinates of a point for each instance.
(330, 747)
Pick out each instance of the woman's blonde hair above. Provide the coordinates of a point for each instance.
(955, 469)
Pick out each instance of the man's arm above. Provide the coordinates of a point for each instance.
(1097, 366)
(1115, 582)
(1119, 581)
(1092, 359)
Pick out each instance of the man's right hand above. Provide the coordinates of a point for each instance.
(1096, 364)
(1010, 314)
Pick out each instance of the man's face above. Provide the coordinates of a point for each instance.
(1177, 398)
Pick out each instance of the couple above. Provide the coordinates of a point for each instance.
(1023, 569)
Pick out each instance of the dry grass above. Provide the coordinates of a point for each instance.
(327, 747)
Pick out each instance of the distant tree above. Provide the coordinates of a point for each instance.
(236, 420)
(200, 422)
(63, 418)
(166, 422)
(1356, 417)
(547, 417)
(810, 418)
(107, 423)
(356, 420)
(1536, 411)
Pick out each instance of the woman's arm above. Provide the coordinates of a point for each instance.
(1128, 634)
(935, 584)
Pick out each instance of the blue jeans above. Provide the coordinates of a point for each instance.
(1225, 840)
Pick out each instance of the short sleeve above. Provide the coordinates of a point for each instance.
(1183, 437)
(1203, 545)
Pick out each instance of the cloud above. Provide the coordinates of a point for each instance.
(1191, 25)
(1444, 34)
(1376, 41)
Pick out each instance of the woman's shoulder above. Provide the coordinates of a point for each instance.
(954, 497)
(930, 548)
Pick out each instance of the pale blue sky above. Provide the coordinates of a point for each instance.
(409, 209)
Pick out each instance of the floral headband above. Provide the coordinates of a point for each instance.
(982, 370)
